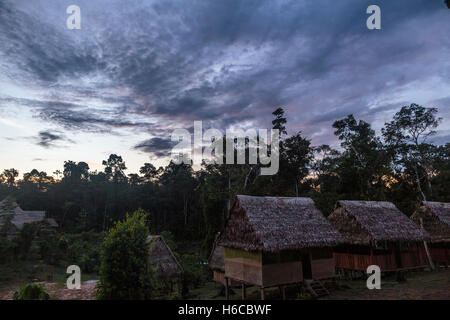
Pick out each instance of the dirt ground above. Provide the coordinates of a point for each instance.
(419, 286)
(58, 291)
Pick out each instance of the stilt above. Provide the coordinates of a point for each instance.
(227, 291)
(282, 292)
(262, 293)
(180, 285)
(244, 294)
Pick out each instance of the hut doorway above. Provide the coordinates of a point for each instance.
(306, 266)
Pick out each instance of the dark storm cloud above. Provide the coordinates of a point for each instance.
(158, 146)
(48, 138)
(222, 61)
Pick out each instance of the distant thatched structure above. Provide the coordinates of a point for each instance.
(436, 220)
(277, 223)
(367, 222)
(434, 217)
(13, 218)
(376, 233)
(162, 258)
(216, 261)
(275, 241)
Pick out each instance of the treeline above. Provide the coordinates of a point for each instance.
(400, 165)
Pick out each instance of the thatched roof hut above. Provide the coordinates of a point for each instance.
(277, 223)
(216, 260)
(367, 222)
(163, 259)
(436, 220)
(11, 212)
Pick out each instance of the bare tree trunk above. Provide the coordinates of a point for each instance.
(185, 209)
(426, 248)
(418, 183)
(104, 218)
(429, 185)
(229, 194)
(296, 188)
(247, 176)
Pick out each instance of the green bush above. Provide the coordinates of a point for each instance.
(7, 250)
(84, 250)
(51, 250)
(31, 292)
(81, 249)
(25, 239)
(196, 271)
(125, 272)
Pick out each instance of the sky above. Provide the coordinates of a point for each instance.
(137, 70)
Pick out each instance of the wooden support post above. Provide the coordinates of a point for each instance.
(244, 294)
(425, 245)
(282, 292)
(180, 285)
(262, 293)
(227, 291)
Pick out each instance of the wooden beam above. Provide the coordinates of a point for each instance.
(262, 293)
(244, 294)
(282, 292)
(227, 291)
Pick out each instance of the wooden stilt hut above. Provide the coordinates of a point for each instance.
(168, 269)
(376, 233)
(216, 262)
(434, 217)
(277, 241)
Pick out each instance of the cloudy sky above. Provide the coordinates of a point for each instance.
(139, 69)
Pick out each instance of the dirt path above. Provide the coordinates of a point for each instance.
(59, 291)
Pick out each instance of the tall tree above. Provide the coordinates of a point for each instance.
(115, 167)
(10, 175)
(280, 121)
(297, 155)
(149, 172)
(364, 158)
(407, 138)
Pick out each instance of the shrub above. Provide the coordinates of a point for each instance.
(124, 270)
(84, 250)
(195, 271)
(51, 249)
(7, 250)
(25, 238)
(31, 292)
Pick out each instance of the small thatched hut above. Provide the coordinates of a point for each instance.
(434, 217)
(276, 241)
(13, 218)
(216, 262)
(168, 269)
(376, 233)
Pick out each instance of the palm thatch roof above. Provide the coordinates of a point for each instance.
(52, 222)
(10, 212)
(216, 259)
(435, 219)
(163, 259)
(366, 222)
(276, 223)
